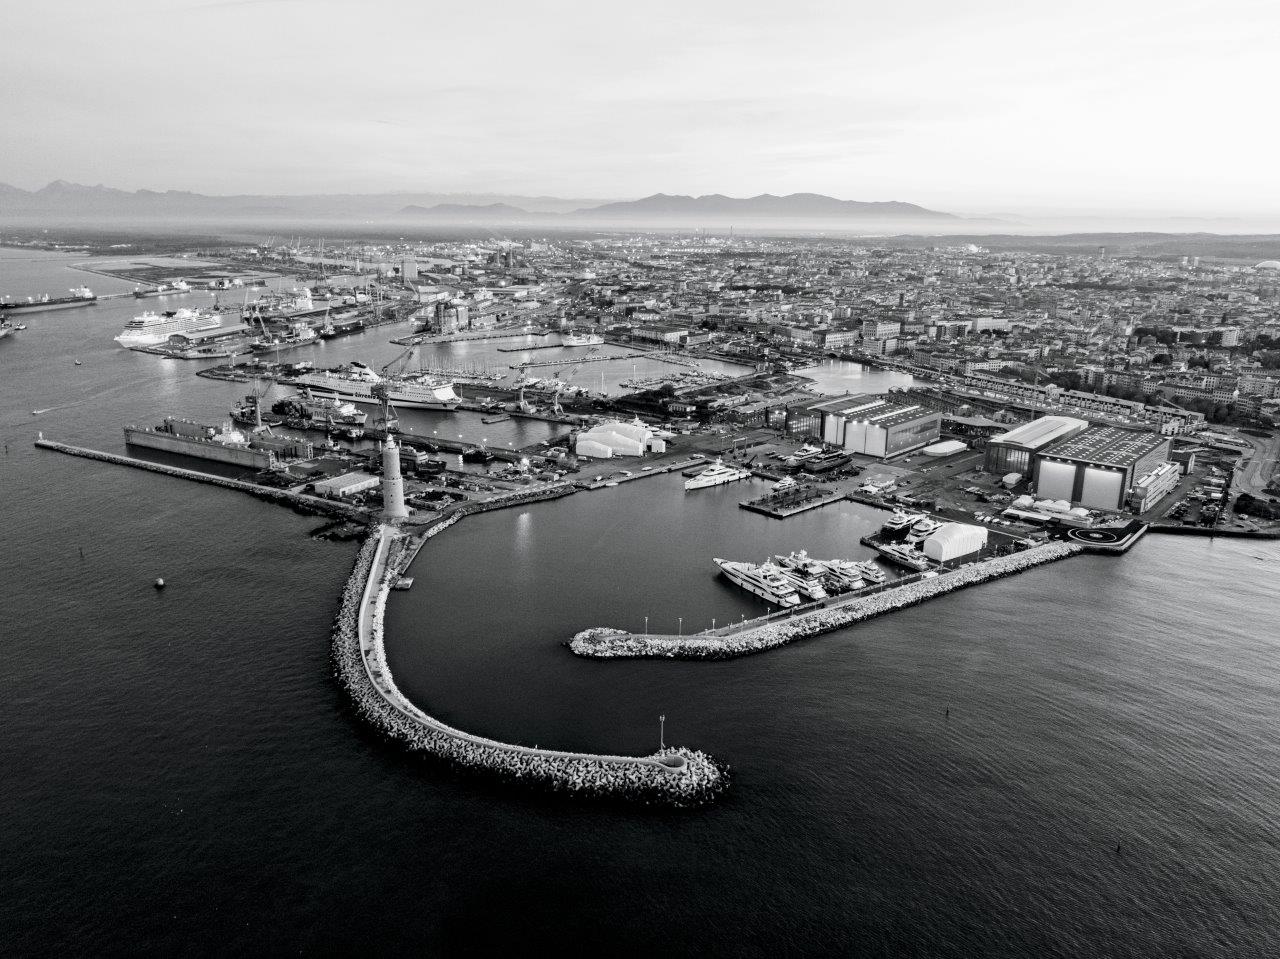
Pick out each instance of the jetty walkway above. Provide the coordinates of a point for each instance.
(673, 776)
(778, 629)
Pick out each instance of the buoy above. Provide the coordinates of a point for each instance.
(160, 583)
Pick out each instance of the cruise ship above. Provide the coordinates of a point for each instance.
(355, 382)
(575, 338)
(764, 581)
(152, 329)
(716, 475)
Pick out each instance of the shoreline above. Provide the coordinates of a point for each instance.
(729, 643)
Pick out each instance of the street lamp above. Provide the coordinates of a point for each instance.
(662, 732)
(681, 619)
(646, 625)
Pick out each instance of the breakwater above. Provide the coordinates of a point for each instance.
(671, 777)
(300, 502)
(742, 640)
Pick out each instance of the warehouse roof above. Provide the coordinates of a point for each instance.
(1107, 445)
(1045, 430)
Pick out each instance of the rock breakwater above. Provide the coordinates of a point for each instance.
(606, 643)
(672, 777)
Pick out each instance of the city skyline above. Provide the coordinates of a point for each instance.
(1079, 112)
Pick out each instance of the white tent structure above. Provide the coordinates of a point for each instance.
(953, 540)
(616, 438)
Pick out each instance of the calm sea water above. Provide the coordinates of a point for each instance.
(181, 774)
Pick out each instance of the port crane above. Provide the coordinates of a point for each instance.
(562, 382)
(387, 420)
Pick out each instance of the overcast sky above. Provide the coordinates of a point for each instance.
(992, 106)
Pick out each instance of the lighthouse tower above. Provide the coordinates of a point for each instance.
(393, 507)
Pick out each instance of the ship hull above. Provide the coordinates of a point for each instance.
(397, 400)
(45, 307)
(735, 576)
(201, 449)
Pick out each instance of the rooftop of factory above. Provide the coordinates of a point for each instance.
(1108, 445)
(1041, 432)
(862, 407)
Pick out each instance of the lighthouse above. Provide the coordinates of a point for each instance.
(393, 507)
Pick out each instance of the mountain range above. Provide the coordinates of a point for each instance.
(63, 200)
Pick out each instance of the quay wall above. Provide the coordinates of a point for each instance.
(671, 777)
(606, 643)
(299, 501)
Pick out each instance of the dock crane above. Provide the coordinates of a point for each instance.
(562, 382)
(398, 365)
(522, 381)
(387, 420)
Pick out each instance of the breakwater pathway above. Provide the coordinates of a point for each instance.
(672, 777)
(779, 629)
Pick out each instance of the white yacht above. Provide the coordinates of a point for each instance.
(805, 574)
(869, 571)
(355, 382)
(151, 328)
(716, 474)
(764, 581)
(922, 529)
(784, 484)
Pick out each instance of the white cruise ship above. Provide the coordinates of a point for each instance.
(575, 338)
(764, 581)
(355, 382)
(715, 475)
(151, 329)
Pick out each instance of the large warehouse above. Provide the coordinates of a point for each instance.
(866, 424)
(1015, 451)
(1097, 468)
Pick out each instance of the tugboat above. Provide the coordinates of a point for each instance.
(478, 454)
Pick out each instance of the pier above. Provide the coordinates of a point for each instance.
(301, 502)
(778, 629)
(672, 776)
(792, 502)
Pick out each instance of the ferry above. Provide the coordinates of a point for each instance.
(355, 382)
(716, 474)
(79, 296)
(764, 581)
(152, 329)
(575, 338)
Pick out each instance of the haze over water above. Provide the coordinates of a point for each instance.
(182, 774)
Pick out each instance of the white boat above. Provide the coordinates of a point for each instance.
(574, 338)
(764, 581)
(716, 474)
(869, 571)
(922, 529)
(833, 574)
(900, 523)
(355, 382)
(151, 328)
(804, 574)
(784, 484)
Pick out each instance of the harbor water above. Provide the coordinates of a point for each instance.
(183, 775)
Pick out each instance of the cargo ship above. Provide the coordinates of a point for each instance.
(80, 296)
(355, 382)
(221, 444)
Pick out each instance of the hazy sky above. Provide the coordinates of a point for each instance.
(1118, 106)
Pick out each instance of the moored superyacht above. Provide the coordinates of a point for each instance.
(355, 382)
(716, 475)
(765, 581)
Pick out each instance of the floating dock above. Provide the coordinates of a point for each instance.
(791, 503)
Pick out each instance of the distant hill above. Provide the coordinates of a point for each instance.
(467, 210)
(796, 206)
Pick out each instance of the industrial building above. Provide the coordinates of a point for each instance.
(1098, 467)
(1154, 486)
(871, 425)
(1015, 450)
